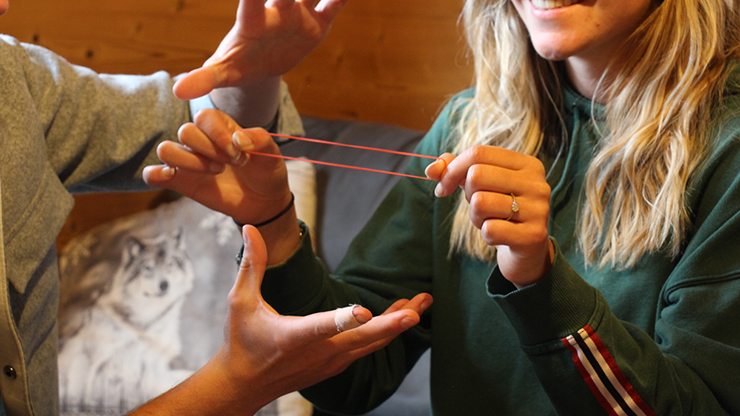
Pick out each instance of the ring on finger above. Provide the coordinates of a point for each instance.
(514, 207)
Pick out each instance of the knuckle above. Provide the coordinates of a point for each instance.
(475, 173)
(544, 190)
(322, 330)
(477, 201)
(235, 300)
(204, 115)
(536, 166)
(488, 232)
(539, 234)
(475, 217)
(477, 151)
(185, 128)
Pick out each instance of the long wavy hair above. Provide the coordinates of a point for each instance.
(675, 65)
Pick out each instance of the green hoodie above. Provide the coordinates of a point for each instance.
(660, 338)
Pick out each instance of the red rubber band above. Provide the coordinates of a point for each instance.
(318, 162)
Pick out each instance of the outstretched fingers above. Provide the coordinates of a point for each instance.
(399, 317)
(374, 335)
(329, 9)
(354, 328)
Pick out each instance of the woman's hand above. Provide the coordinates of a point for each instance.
(489, 176)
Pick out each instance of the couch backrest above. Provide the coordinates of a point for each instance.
(346, 198)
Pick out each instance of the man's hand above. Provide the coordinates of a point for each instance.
(266, 355)
(267, 40)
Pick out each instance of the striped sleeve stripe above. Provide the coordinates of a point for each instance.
(602, 375)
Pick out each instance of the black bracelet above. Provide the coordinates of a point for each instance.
(279, 214)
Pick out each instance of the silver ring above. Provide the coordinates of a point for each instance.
(514, 207)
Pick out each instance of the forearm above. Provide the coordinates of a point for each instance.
(586, 358)
(253, 105)
(207, 392)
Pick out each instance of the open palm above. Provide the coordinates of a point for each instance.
(268, 39)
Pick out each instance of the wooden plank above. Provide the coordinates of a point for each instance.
(387, 64)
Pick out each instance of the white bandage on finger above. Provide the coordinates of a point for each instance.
(344, 319)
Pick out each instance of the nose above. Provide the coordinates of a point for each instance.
(163, 285)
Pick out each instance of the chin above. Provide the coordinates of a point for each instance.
(552, 55)
(553, 52)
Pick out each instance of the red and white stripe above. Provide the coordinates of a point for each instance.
(602, 375)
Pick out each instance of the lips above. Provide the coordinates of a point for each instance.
(553, 4)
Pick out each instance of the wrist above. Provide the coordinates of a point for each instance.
(250, 105)
(212, 390)
(282, 238)
(545, 267)
(274, 218)
(235, 385)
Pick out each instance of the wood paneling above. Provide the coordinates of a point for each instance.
(116, 36)
(386, 61)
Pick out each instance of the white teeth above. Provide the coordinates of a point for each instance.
(553, 4)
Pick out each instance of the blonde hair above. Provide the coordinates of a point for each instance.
(676, 69)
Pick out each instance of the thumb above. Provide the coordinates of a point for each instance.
(254, 261)
(196, 83)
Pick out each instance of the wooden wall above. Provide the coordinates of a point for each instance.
(383, 61)
(388, 61)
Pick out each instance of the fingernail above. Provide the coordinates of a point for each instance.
(438, 191)
(243, 141)
(168, 172)
(360, 317)
(242, 160)
(216, 167)
(407, 322)
(233, 153)
(430, 167)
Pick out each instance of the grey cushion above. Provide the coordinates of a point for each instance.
(347, 198)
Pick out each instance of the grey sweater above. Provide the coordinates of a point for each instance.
(64, 129)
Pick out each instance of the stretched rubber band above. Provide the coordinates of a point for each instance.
(339, 165)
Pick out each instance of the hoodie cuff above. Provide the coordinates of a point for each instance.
(556, 306)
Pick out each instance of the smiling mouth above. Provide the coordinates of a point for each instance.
(553, 4)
